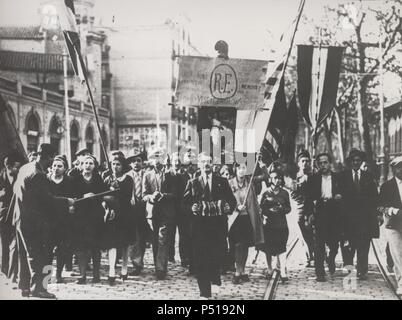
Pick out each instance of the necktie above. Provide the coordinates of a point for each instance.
(207, 191)
(356, 180)
(137, 186)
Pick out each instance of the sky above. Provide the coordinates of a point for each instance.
(249, 27)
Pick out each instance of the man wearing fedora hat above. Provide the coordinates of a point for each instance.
(33, 212)
(361, 222)
(390, 205)
(159, 191)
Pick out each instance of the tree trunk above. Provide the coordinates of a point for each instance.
(366, 126)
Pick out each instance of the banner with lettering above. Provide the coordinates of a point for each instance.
(219, 82)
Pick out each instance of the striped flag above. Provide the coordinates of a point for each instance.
(66, 12)
(318, 70)
(256, 121)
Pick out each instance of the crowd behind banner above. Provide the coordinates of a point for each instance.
(49, 211)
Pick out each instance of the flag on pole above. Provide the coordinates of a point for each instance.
(66, 11)
(10, 141)
(318, 70)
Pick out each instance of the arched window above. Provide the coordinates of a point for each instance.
(55, 130)
(74, 137)
(32, 133)
(89, 139)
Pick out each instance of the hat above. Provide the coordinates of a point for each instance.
(90, 156)
(63, 159)
(356, 153)
(82, 152)
(114, 153)
(134, 155)
(396, 161)
(303, 154)
(46, 149)
(118, 155)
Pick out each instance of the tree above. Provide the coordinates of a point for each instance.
(358, 96)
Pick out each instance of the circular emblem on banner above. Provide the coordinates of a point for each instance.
(223, 82)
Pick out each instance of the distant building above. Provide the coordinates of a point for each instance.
(31, 66)
(144, 64)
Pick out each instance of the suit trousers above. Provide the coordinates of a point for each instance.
(395, 246)
(142, 231)
(32, 263)
(359, 246)
(308, 236)
(160, 244)
(185, 241)
(5, 237)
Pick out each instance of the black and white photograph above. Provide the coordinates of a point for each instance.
(201, 150)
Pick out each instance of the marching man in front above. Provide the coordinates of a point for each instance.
(211, 197)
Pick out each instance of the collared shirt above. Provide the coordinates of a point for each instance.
(358, 174)
(9, 177)
(399, 184)
(326, 187)
(207, 178)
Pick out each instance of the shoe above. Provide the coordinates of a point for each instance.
(203, 298)
(331, 267)
(111, 281)
(362, 276)
(124, 277)
(321, 279)
(172, 260)
(43, 295)
(244, 278)
(268, 276)
(82, 281)
(135, 272)
(25, 293)
(185, 263)
(390, 269)
(284, 279)
(96, 280)
(60, 280)
(236, 280)
(160, 275)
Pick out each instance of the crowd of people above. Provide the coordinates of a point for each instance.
(49, 211)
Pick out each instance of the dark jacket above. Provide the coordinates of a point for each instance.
(165, 208)
(6, 193)
(35, 208)
(389, 197)
(359, 206)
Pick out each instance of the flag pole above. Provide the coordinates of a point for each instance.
(301, 6)
(95, 113)
(67, 111)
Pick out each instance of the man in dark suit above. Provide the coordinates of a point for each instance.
(8, 175)
(34, 211)
(324, 188)
(361, 223)
(160, 192)
(390, 205)
(210, 197)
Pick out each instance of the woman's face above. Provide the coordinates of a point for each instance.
(276, 180)
(241, 170)
(117, 167)
(88, 165)
(225, 174)
(58, 168)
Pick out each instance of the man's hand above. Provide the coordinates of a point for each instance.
(241, 207)
(338, 197)
(196, 207)
(226, 208)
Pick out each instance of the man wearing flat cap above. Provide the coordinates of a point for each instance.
(304, 203)
(33, 211)
(361, 221)
(390, 206)
(143, 231)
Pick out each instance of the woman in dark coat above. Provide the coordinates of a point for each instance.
(275, 205)
(88, 221)
(61, 185)
(119, 226)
